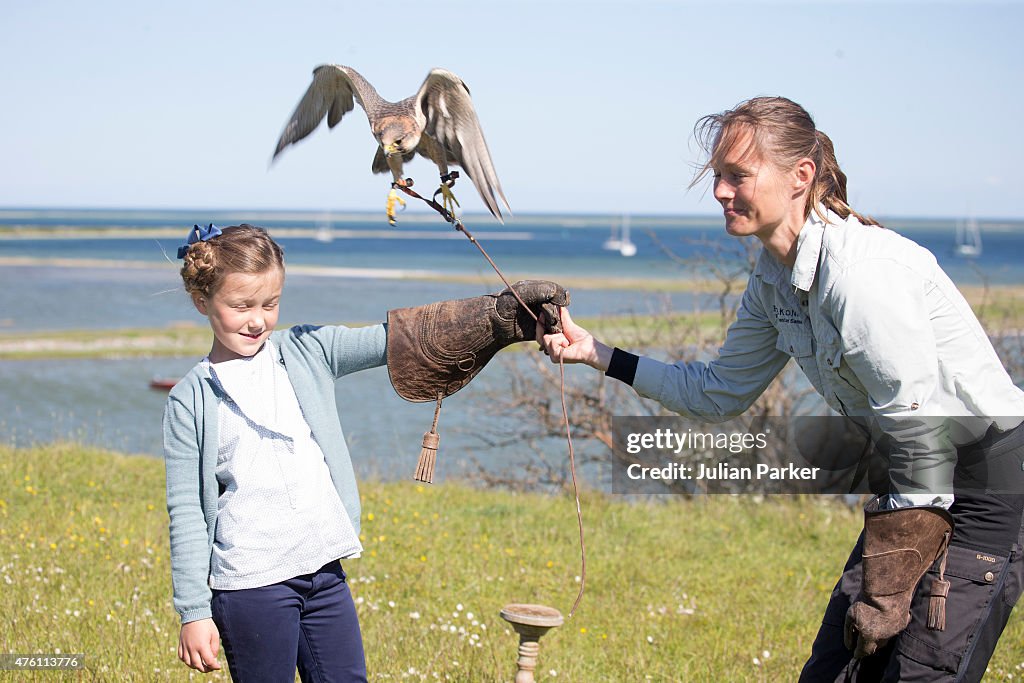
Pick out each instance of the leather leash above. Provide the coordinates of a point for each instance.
(458, 225)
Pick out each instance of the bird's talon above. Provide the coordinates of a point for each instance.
(393, 198)
(448, 200)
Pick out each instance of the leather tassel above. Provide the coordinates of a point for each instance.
(428, 454)
(937, 605)
(428, 457)
(939, 593)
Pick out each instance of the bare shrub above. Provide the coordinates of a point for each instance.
(1000, 313)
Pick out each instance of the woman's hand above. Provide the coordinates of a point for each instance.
(574, 344)
(199, 644)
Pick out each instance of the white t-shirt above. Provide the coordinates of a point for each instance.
(279, 515)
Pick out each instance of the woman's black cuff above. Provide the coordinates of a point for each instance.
(622, 366)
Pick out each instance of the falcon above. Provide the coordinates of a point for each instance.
(438, 122)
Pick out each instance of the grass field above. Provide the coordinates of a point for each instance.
(715, 589)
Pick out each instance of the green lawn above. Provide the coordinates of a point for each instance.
(716, 589)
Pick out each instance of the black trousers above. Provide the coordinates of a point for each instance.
(985, 568)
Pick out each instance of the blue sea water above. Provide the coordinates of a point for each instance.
(108, 403)
(549, 245)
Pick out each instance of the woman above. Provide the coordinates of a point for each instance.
(885, 337)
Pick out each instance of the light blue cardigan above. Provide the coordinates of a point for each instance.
(314, 358)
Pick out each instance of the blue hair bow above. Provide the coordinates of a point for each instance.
(198, 234)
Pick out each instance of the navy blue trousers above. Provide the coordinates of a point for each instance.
(307, 622)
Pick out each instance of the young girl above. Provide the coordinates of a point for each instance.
(260, 487)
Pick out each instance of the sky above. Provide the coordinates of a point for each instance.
(587, 106)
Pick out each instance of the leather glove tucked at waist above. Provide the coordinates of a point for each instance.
(440, 347)
(899, 547)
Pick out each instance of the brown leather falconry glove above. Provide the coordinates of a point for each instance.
(899, 547)
(435, 350)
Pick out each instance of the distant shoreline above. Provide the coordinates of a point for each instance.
(71, 232)
(180, 218)
(679, 283)
(1002, 302)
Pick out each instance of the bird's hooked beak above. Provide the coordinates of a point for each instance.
(391, 149)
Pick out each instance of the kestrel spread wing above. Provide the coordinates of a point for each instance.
(438, 122)
(444, 110)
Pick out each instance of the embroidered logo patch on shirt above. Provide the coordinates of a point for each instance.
(791, 316)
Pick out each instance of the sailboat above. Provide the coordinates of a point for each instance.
(324, 233)
(968, 239)
(621, 244)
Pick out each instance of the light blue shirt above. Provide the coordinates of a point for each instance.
(879, 330)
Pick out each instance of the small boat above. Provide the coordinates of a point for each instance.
(621, 244)
(324, 232)
(968, 239)
(162, 383)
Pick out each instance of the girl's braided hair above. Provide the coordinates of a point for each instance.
(238, 249)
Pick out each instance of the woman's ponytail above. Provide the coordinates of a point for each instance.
(829, 187)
